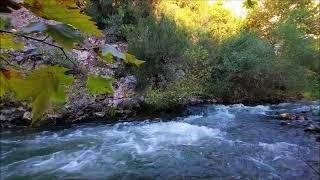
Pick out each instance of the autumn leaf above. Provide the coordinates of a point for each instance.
(5, 76)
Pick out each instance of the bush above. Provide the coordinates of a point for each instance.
(160, 43)
(175, 94)
(117, 17)
(297, 47)
(248, 70)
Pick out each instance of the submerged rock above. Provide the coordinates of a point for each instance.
(288, 116)
(313, 128)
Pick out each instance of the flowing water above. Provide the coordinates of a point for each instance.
(215, 142)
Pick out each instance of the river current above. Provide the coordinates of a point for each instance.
(214, 142)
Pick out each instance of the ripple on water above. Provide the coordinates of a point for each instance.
(197, 146)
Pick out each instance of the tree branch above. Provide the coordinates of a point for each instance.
(41, 41)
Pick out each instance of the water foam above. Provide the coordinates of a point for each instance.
(153, 137)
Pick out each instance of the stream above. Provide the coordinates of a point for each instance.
(213, 142)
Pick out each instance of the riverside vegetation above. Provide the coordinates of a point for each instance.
(186, 51)
(198, 51)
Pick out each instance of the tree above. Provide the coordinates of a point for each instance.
(265, 14)
(46, 85)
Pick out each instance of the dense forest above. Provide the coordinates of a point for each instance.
(179, 51)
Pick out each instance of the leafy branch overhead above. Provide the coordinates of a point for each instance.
(65, 35)
(108, 50)
(46, 86)
(64, 11)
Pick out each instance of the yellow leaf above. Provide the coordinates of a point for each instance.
(7, 42)
(131, 59)
(4, 87)
(45, 86)
(6, 75)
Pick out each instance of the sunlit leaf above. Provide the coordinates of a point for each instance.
(250, 3)
(99, 85)
(5, 76)
(131, 59)
(108, 58)
(108, 49)
(45, 86)
(64, 11)
(4, 86)
(64, 35)
(39, 105)
(7, 42)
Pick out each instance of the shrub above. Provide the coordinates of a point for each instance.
(116, 17)
(297, 47)
(248, 70)
(160, 43)
(175, 94)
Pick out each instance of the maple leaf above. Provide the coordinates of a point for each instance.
(64, 11)
(131, 59)
(99, 85)
(45, 86)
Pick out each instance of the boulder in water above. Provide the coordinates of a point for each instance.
(288, 116)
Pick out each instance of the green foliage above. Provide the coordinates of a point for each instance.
(250, 4)
(108, 52)
(34, 27)
(8, 42)
(99, 85)
(160, 44)
(4, 23)
(297, 47)
(117, 17)
(45, 87)
(60, 11)
(157, 40)
(174, 94)
(263, 17)
(249, 70)
(312, 89)
(4, 88)
(108, 49)
(197, 17)
(65, 35)
(132, 60)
